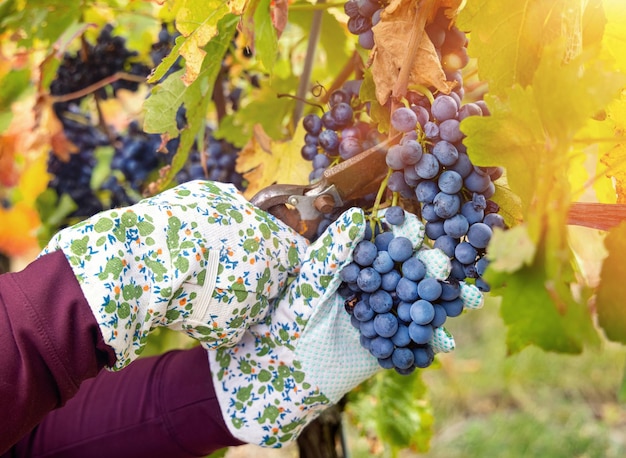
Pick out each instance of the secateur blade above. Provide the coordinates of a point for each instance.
(303, 207)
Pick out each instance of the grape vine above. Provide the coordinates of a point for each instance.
(398, 307)
(136, 156)
(495, 116)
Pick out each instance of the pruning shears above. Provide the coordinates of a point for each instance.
(303, 207)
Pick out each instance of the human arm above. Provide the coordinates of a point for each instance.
(158, 407)
(286, 369)
(50, 343)
(197, 258)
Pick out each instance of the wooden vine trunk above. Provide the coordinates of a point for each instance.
(322, 438)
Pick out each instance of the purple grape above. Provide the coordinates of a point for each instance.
(444, 107)
(404, 119)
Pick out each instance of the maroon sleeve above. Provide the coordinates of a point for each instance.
(49, 341)
(158, 407)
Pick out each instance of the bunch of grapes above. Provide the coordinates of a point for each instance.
(94, 63)
(396, 302)
(135, 161)
(399, 295)
(338, 134)
(137, 155)
(363, 15)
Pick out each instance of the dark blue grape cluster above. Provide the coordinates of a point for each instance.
(219, 158)
(363, 15)
(431, 165)
(396, 298)
(337, 135)
(396, 302)
(94, 63)
(137, 155)
(136, 160)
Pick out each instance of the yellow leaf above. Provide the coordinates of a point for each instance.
(197, 21)
(17, 231)
(237, 6)
(264, 161)
(614, 39)
(34, 180)
(615, 158)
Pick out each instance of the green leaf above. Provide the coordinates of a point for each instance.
(53, 210)
(39, 20)
(508, 38)
(396, 408)
(265, 39)
(197, 21)
(12, 86)
(511, 250)
(163, 104)
(378, 113)
(509, 203)
(237, 128)
(221, 453)
(333, 43)
(540, 310)
(528, 133)
(612, 288)
(139, 27)
(102, 169)
(614, 38)
(167, 61)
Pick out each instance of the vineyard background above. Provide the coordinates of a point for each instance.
(540, 370)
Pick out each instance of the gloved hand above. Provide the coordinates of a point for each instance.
(305, 354)
(197, 258)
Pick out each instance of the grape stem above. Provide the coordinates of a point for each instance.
(381, 191)
(394, 199)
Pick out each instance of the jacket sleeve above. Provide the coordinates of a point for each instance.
(50, 343)
(158, 407)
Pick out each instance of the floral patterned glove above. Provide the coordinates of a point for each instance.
(197, 258)
(305, 354)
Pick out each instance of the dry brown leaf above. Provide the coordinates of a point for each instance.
(392, 35)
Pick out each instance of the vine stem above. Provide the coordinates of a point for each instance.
(97, 85)
(218, 96)
(417, 32)
(303, 86)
